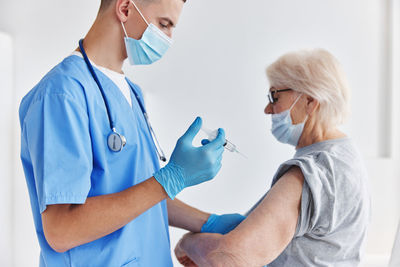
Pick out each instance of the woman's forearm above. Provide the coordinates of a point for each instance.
(210, 250)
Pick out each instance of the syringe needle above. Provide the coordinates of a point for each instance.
(243, 155)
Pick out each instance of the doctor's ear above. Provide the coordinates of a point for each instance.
(312, 105)
(122, 10)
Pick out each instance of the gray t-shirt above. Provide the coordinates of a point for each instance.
(335, 206)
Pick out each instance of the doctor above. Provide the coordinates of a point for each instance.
(90, 157)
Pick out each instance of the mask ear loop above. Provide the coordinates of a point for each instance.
(145, 20)
(160, 33)
(123, 26)
(294, 103)
(298, 98)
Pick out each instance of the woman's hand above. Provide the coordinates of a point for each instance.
(203, 250)
(182, 257)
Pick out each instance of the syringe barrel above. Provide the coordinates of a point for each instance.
(229, 146)
(213, 134)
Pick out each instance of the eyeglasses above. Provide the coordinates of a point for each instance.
(271, 95)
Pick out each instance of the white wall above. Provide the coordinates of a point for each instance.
(216, 70)
(6, 143)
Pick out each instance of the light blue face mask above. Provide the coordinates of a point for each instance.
(283, 128)
(150, 48)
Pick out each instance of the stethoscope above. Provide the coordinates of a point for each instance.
(116, 141)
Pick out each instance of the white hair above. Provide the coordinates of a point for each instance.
(316, 73)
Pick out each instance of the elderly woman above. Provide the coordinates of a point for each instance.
(317, 210)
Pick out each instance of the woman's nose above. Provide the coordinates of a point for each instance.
(268, 109)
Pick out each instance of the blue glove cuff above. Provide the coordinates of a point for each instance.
(206, 228)
(171, 177)
(222, 224)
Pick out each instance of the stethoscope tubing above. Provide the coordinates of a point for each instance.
(85, 57)
(112, 124)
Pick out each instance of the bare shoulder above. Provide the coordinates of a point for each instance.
(294, 177)
(295, 171)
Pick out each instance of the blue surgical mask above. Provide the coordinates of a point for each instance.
(283, 128)
(150, 48)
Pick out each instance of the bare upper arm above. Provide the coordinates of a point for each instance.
(271, 226)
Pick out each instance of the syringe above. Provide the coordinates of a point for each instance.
(228, 145)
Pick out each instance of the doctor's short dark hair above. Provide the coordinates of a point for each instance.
(106, 3)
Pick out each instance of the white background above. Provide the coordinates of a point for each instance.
(216, 69)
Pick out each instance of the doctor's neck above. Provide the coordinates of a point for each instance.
(104, 43)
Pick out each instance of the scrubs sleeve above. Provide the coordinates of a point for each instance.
(56, 130)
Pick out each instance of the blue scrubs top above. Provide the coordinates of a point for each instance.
(66, 159)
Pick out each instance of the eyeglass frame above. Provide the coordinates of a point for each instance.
(272, 99)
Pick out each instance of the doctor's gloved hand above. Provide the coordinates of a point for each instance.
(222, 224)
(191, 165)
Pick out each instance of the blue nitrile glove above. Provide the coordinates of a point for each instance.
(191, 165)
(222, 224)
(205, 142)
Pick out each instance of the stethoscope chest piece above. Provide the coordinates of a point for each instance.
(116, 141)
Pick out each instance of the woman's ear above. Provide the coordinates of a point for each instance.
(122, 10)
(312, 105)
